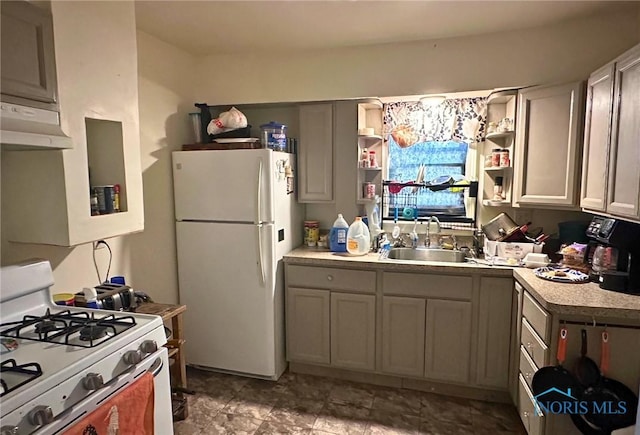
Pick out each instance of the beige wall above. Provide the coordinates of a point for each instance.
(563, 52)
(165, 85)
(146, 259)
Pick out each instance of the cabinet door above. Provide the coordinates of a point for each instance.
(547, 145)
(624, 159)
(308, 325)
(494, 332)
(516, 322)
(448, 340)
(353, 330)
(597, 135)
(28, 62)
(315, 153)
(403, 321)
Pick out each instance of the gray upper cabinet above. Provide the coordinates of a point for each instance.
(597, 129)
(28, 60)
(548, 149)
(624, 158)
(315, 153)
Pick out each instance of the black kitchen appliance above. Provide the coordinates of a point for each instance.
(625, 237)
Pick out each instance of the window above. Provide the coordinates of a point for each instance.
(438, 162)
(431, 144)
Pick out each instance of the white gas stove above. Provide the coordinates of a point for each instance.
(66, 360)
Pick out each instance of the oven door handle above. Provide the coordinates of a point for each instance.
(156, 367)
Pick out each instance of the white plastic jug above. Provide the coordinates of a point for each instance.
(358, 238)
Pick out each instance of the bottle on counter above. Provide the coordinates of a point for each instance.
(338, 235)
(358, 238)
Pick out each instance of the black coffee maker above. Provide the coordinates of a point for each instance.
(624, 237)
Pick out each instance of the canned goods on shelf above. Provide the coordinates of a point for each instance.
(107, 198)
(369, 190)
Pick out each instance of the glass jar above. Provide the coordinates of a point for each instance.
(495, 157)
(497, 189)
(504, 158)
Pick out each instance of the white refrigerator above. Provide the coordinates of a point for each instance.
(236, 216)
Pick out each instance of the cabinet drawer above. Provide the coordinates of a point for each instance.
(533, 344)
(331, 278)
(536, 316)
(427, 285)
(533, 422)
(527, 367)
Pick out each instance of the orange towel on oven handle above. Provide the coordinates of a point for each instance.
(130, 412)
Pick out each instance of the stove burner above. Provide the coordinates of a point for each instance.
(46, 326)
(92, 332)
(77, 328)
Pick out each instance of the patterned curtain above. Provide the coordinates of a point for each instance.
(460, 119)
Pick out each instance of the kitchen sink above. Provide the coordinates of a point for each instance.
(424, 254)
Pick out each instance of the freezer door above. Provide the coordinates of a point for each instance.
(225, 185)
(231, 310)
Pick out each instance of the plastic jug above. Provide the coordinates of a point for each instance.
(338, 235)
(358, 238)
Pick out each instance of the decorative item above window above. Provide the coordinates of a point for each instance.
(461, 119)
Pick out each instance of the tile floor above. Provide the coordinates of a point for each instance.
(303, 404)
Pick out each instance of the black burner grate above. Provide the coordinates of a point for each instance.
(64, 327)
(31, 370)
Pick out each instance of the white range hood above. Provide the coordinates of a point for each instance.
(28, 128)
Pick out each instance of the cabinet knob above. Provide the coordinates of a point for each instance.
(527, 375)
(529, 345)
(132, 357)
(93, 381)
(40, 415)
(149, 346)
(329, 277)
(9, 430)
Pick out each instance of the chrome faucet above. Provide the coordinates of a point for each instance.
(427, 239)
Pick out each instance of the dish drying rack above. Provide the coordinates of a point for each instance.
(401, 196)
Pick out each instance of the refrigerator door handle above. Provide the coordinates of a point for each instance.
(259, 247)
(259, 195)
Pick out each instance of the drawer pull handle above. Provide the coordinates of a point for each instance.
(329, 277)
(527, 375)
(525, 414)
(529, 345)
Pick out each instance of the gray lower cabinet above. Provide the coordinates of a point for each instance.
(448, 340)
(494, 332)
(353, 331)
(403, 333)
(308, 320)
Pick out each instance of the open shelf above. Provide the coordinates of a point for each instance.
(500, 135)
(501, 97)
(498, 169)
(371, 137)
(495, 203)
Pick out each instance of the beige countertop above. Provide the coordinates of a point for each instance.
(557, 298)
(324, 257)
(586, 299)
